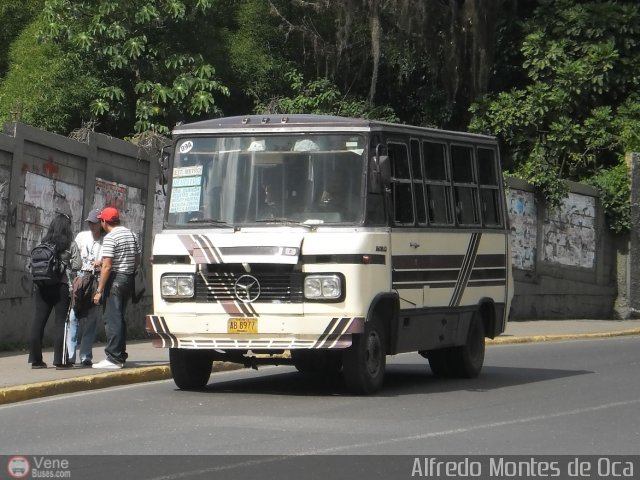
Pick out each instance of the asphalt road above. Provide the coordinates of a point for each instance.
(574, 397)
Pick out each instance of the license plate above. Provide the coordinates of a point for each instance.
(242, 325)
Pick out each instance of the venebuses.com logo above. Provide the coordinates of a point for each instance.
(18, 467)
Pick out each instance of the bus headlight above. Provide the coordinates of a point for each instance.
(177, 286)
(319, 287)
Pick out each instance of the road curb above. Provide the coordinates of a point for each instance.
(126, 376)
(561, 337)
(19, 393)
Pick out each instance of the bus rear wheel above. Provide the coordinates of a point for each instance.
(460, 362)
(190, 369)
(469, 358)
(364, 362)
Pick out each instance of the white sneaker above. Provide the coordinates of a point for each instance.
(108, 364)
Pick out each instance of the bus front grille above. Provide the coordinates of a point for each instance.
(273, 287)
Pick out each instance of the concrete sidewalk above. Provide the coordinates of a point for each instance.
(19, 382)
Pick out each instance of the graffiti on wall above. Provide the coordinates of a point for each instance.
(5, 175)
(570, 233)
(523, 217)
(128, 200)
(48, 197)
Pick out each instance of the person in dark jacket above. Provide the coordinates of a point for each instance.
(55, 297)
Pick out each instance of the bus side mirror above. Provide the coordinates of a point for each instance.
(379, 174)
(385, 170)
(163, 164)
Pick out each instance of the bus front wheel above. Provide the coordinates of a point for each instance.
(364, 362)
(190, 369)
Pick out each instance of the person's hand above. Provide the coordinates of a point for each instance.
(97, 297)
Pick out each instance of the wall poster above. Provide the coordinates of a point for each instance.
(128, 200)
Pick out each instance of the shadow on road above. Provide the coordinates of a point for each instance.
(400, 379)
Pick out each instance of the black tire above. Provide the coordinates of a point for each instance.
(468, 359)
(364, 362)
(190, 369)
(461, 362)
(325, 362)
(440, 362)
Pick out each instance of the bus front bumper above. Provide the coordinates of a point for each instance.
(263, 333)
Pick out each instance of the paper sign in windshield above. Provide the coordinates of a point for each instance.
(186, 182)
(186, 189)
(187, 171)
(185, 199)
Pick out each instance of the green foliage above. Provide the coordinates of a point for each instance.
(14, 16)
(579, 105)
(615, 192)
(151, 73)
(323, 97)
(43, 88)
(627, 123)
(257, 52)
(543, 176)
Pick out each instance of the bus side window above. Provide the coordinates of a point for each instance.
(464, 185)
(401, 184)
(438, 187)
(489, 187)
(418, 186)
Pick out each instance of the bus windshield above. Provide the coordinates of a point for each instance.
(294, 178)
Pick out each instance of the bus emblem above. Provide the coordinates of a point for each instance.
(247, 289)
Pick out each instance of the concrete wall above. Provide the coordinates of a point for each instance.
(632, 259)
(42, 174)
(565, 260)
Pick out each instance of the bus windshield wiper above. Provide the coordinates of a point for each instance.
(285, 221)
(211, 221)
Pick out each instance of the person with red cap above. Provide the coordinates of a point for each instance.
(121, 255)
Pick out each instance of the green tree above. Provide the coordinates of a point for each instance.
(428, 59)
(573, 118)
(323, 98)
(43, 88)
(149, 54)
(14, 16)
(257, 55)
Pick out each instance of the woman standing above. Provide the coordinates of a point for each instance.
(55, 297)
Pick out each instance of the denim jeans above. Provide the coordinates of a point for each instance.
(86, 327)
(117, 293)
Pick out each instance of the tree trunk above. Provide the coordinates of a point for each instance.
(376, 46)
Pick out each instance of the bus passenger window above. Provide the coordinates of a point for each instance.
(418, 187)
(438, 201)
(490, 206)
(437, 184)
(489, 188)
(465, 188)
(487, 174)
(401, 184)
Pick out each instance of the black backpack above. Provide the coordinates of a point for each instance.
(46, 266)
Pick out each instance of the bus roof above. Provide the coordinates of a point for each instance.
(305, 123)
